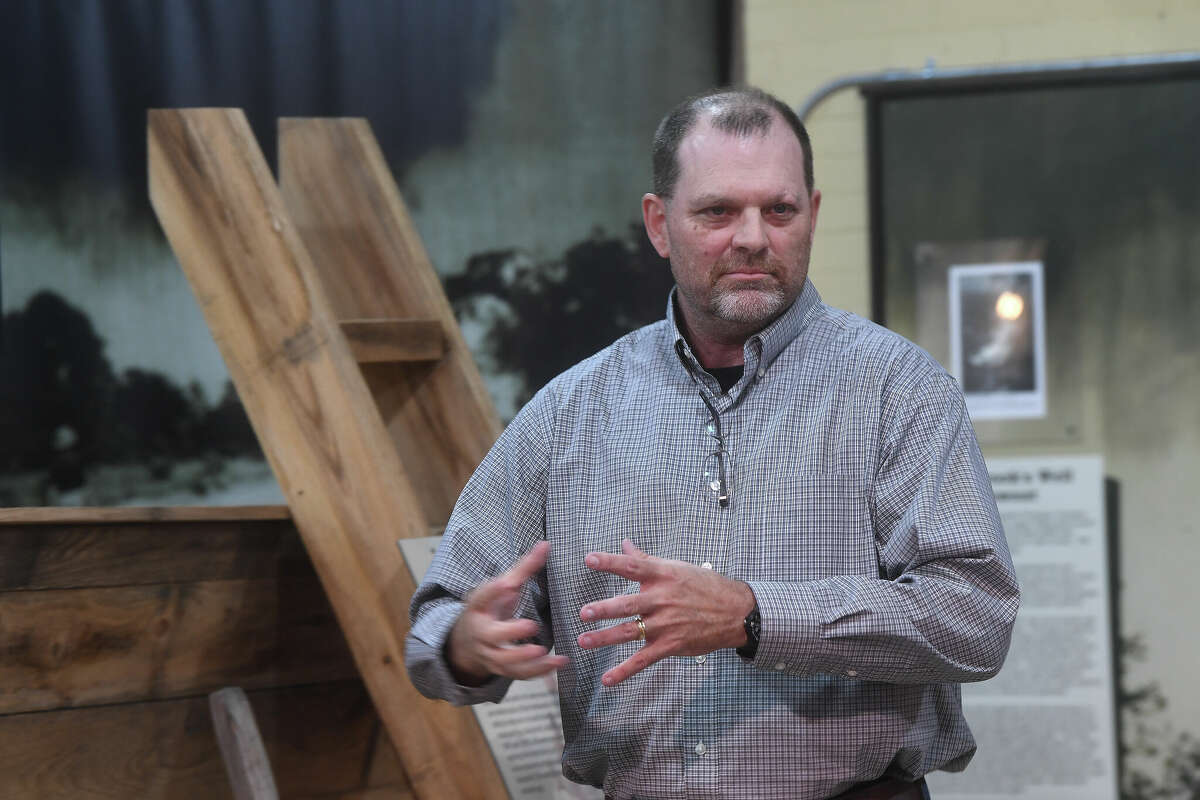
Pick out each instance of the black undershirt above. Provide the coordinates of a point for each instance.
(727, 376)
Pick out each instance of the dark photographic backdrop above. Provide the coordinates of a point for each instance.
(519, 133)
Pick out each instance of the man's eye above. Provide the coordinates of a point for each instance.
(715, 211)
(781, 209)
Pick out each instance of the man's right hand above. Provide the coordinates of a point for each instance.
(484, 640)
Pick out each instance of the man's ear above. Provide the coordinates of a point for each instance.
(654, 215)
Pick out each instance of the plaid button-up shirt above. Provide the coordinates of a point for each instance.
(860, 514)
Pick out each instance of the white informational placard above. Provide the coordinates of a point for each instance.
(525, 731)
(998, 338)
(1045, 725)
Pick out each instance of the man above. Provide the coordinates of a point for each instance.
(759, 534)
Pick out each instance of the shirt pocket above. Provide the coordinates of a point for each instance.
(811, 526)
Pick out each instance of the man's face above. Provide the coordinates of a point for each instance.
(738, 230)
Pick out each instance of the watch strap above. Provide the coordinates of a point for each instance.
(753, 626)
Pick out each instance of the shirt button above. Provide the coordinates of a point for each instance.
(852, 672)
(701, 659)
(762, 373)
(700, 748)
(706, 565)
(781, 666)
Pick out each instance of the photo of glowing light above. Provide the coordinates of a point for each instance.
(1009, 305)
(997, 338)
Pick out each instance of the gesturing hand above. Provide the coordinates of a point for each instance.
(687, 610)
(484, 640)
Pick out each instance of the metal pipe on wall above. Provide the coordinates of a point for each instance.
(932, 78)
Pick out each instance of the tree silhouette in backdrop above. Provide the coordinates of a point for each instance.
(64, 411)
(543, 317)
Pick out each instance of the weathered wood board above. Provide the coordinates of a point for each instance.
(315, 417)
(104, 515)
(370, 261)
(68, 552)
(114, 633)
(71, 647)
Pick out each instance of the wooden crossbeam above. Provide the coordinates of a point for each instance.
(317, 420)
(381, 341)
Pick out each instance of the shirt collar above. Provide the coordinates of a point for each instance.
(762, 348)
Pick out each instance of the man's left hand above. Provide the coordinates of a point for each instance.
(687, 610)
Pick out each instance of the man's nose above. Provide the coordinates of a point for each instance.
(750, 233)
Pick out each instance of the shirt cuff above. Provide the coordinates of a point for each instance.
(789, 640)
(427, 663)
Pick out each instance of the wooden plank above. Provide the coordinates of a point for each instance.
(385, 776)
(85, 647)
(384, 768)
(88, 515)
(314, 416)
(45, 556)
(317, 737)
(242, 750)
(371, 263)
(374, 341)
(394, 792)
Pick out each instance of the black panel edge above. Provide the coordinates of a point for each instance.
(876, 221)
(1112, 519)
(729, 42)
(1033, 79)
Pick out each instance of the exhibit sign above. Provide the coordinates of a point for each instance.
(525, 731)
(1046, 725)
(998, 338)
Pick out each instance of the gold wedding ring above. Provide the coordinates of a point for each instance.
(641, 637)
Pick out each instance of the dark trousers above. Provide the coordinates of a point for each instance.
(883, 789)
(887, 789)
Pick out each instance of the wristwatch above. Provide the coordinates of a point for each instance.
(753, 625)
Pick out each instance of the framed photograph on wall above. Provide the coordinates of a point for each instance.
(998, 338)
(1029, 396)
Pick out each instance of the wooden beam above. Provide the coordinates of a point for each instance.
(58, 555)
(318, 424)
(87, 515)
(369, 259)
(83, 647)
(242, 749)
(376, 341)
(65, 556)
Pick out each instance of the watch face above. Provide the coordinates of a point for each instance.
(752, 624)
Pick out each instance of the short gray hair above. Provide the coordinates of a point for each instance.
(741, 110)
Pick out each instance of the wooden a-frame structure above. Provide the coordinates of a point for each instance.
(353, 371)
